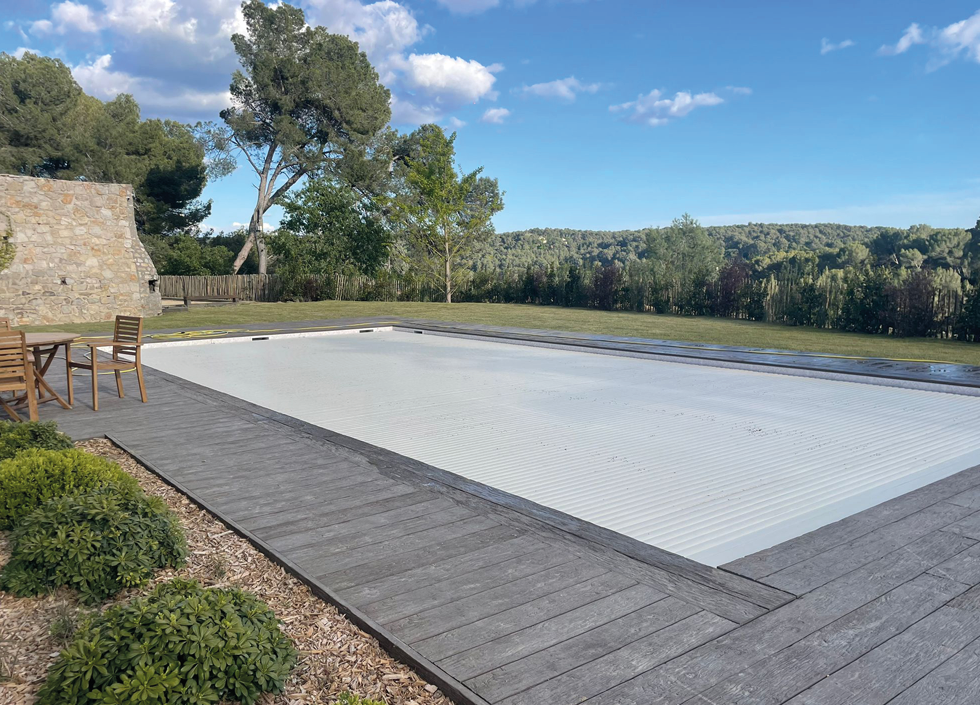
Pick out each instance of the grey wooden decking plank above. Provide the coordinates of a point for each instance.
(345, 560)
(389, 535)
(464, 585)
(435, 573)
(621, 665)
(963, 567)
(967, 498)
(968, 526)
(296, 515)
(768, 561)
(783, 675)
(956, 682)
(223, 472)
(350, 516)
(336, 477)
(692, 673)
(367, 522)
(884, 672)
(469, 609)
(273, 505)
(550, 632)
(509, 621)
(370, 572)
(821, 569)
(523, 673)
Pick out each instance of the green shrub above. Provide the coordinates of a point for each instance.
(351, 699)
(180, 645)
(35, 476)
(97, 543)
(15, 437)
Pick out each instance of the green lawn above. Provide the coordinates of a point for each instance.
(643, 325)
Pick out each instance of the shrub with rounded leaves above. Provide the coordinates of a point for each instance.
(15, 437)
(34, 476)
(97, 543)
(180, 645)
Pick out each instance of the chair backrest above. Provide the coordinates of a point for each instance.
(4, 324)
(13, 359)
(129, 329)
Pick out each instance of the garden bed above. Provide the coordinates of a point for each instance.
(334, 655)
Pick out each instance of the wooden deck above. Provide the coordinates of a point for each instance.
(501, 601)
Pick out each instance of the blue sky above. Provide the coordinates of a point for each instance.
(608, 114)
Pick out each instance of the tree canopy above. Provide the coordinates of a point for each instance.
(50, 128)
(305, 102)
(440, 212)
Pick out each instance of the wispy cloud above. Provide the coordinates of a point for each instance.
(495, 116)
(827, 46)
(562, 89)
(960, 39)
(653, 110)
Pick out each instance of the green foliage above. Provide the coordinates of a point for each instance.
(98, 543)
(35, 475)
(180, 645)
(305, 101)
(50, 128)
(15, 437)
(351, 699)
(8, 250)
(442, 214)
(327, 230)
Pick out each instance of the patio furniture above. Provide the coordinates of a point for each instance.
(43, 349)
(16, 373)
(4, 324)
(126, 340)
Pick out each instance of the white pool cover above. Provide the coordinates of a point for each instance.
(707, 462)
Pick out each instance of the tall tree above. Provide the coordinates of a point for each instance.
(682, 251)
(50, 128)
(442, 213)
(304, 100)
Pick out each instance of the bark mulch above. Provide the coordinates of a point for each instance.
(335, 656)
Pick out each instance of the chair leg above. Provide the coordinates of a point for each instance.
(119, 387)
(71, 387)
(10, 410)
(95, 382)
(139, 378)
(31, 396)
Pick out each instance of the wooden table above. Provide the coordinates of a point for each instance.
(45, 348)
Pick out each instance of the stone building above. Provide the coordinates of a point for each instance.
(78, 257)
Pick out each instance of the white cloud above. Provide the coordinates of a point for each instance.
(98, 79)
(827, 46)
(563, 89)
(468, 7)
(73, 16)
(456, 123)
(495, 116)
(739, 90)
(447, 78)
(912, 36)
(949, 43)
(652, 110)
(266, 226)
(42, 27)
(19, 52)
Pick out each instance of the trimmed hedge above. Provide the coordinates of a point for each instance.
(15, 437)
(34, 476)
(180, 645)
(97, 543)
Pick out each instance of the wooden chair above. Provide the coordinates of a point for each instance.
(127, 340)
(17, 373)
(4, 324)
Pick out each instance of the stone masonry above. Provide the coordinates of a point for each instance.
(78, 258)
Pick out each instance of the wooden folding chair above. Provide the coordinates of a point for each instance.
(126, 340)
(17, 373)
(4, 324)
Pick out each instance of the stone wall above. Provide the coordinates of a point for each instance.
(78, 258)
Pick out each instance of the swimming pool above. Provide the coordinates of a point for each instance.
(707, 462)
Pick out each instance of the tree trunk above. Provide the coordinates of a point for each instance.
(449, 274)
(254, 238)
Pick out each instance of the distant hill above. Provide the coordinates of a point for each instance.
(544, 246)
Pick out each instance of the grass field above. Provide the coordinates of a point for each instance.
(722, 331)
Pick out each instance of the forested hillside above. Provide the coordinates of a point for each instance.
(540, 247)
